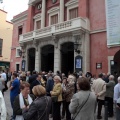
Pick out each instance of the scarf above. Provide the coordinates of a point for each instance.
(21, 101)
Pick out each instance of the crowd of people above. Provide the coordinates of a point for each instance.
(40, 96)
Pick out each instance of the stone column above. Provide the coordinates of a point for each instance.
(61, 10)
(31, 11)
(86, 52)
(37, 60)
(36, 44)
(56, 55)
(43, 13)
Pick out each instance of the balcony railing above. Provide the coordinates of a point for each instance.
(71, 25)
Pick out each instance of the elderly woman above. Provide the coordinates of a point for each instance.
(56, 93)
(68, 93)
(83, 103)
(39, 109)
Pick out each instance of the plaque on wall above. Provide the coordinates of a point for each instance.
(54, 1)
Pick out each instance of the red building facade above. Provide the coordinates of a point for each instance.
(47, 32)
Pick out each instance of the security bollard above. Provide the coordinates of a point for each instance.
(106, 111)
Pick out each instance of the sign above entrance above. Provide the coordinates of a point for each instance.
(113, 22)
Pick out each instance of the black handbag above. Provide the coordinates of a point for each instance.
(73, 118)
(54, 98)
(47, 102)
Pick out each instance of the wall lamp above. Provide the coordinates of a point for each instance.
(21, 53)
(77, 44)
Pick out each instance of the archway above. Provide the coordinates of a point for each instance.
(116, 65)
(67, 57)
(31, 59)
(47, 58)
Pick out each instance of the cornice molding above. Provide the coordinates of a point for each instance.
(54, 9)
(37, 16)
(19, 18)
(98, 31)
(71, 2)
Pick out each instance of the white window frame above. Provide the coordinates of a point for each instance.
(54, 11)
(71, 5)
(16, 64)
(109, 59)
(36, 18)
(17, 54)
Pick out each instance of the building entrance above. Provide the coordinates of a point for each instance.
(31, 59)
(47, 58)
(67, 58)
(116, 66)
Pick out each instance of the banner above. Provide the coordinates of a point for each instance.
(113, 22)
(23, 65)
(1, 1)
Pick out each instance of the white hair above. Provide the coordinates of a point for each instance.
(57, 77)
(118, 79)
(71, 78)
(111, 77)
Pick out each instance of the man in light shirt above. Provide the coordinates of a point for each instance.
(99, 87)
(117, 90)
(3, 75)
(116, 96)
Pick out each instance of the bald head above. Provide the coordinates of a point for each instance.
(111, 77)
(118, 79)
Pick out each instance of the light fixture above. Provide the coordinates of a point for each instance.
(76, 44)
(21, 53)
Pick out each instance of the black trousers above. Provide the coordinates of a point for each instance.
(110, 105)
(56, 110)
(63, 107)
(100, 103)
(68, 114)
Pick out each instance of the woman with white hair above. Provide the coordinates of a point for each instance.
(2, 108)
(56, 95)
(68, 94)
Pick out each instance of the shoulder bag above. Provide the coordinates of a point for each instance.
(54, 98)
(73, 118)
(47, 101)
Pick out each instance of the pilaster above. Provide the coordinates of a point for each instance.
(43, 13)
(56, 55)
(61, 10)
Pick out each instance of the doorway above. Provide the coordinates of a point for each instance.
(115, 65)
(67, 58)
(17, 67)
(31, 59)
(47, 58)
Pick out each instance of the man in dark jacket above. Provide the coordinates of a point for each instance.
(37, 81)
(31, 79)
(109, 94)
(50, 84)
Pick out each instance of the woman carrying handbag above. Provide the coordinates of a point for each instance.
(40, 108)
(83, 103)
